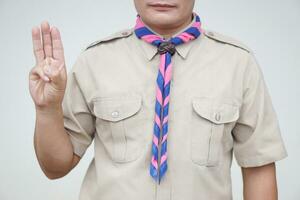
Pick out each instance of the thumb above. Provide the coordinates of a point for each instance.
(56, 74)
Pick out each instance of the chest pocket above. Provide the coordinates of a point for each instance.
(209, 121)
(120, 125)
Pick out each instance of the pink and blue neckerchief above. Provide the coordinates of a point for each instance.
(166, 49)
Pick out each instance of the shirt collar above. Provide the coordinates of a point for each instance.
(150, 50)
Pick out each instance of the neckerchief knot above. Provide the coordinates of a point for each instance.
(166, 46)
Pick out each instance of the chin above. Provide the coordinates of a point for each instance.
(161, 18)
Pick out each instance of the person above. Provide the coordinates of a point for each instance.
(167, 104)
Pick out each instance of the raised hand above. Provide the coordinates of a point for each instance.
(48, 78)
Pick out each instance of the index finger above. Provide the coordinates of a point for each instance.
(37, 45)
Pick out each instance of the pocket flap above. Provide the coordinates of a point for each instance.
(116, 108)
(216, 112)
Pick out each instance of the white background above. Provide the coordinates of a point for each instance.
(269, 27)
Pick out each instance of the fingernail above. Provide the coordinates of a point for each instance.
(46, 78)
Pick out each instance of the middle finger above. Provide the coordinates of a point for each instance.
(47, 41)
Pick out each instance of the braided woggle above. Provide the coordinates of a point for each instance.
(165, 47)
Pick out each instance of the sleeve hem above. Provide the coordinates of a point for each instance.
(78, 148)
(261, 160)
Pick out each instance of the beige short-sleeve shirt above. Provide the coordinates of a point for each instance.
(219, 105)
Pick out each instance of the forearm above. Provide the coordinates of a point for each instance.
(260, 183)
(52, 144)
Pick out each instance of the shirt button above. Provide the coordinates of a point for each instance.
(115, 114)
(217, 116)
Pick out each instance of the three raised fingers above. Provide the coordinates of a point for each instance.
(47, 43)
(48, 51)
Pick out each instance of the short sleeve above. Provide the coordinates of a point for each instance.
(78, 120)
(257, 135)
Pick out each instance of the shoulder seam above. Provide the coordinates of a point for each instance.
(117, 35)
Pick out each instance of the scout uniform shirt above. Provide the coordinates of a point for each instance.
(219, 105)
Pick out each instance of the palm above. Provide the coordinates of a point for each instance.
(47, 80)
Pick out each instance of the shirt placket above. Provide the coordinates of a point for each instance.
(163, 190)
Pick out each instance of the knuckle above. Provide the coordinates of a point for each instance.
(39, 51)
(39, 71)
(32, 70)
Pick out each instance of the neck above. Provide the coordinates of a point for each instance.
(168, 31)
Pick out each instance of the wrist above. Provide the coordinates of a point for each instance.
(49, 110)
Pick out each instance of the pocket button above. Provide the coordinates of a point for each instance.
(115, 114)
(217, 116)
